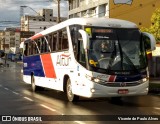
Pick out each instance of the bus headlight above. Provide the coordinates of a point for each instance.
(143, 80)
(96, 80)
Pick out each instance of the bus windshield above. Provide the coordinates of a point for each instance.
(116, 49)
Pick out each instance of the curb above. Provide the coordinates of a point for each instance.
(154, 88)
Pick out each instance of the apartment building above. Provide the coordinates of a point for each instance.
(138, 11)
(39, 22)
(10, 40)
(1, 39)
(88, 8)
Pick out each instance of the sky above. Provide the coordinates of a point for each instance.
(10, 10)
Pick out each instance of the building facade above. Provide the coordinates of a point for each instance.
(1, 39)
(39, 22)
(137, 11)
(88, 8)
(10, 40)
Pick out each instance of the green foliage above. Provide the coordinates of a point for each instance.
(155, 25)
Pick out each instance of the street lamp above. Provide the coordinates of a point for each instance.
(26, 7)
(22, 12)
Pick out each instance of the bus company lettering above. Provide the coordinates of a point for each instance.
(63, 60)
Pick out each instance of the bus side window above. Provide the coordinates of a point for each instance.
(35, 49)
(64, 41)
(47, 45)
(42, 45)
(59, 40)
(32, 47)
(49, 38)
(26, 49)
(54, 40)
(38, 45)
(74, 37)
(81, 53)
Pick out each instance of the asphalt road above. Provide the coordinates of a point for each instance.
(17, 100)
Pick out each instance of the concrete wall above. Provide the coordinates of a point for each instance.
(138, 11)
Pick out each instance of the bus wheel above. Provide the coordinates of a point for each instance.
(33, 84)
(71, 97)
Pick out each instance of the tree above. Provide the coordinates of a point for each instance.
(155, 25)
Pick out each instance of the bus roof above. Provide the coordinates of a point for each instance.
(99, 22)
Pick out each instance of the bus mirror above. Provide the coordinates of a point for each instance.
(149, 40)
(84, 37)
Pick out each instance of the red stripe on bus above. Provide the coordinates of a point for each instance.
(48, 66)
(65, 55)
(112, 78)
(36, 36)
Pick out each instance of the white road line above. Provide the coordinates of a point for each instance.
(6, 88)
(79, 122)
(15, 93)
(28, 98)
(157, 108)
(48, 107)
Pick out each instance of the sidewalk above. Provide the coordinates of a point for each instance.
(155, 80)
(10, 64)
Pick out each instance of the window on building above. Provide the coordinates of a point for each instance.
(78, 3)
(71, 5)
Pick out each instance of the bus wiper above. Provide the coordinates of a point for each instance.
(112, 58)
(129, 61)
(123, 55)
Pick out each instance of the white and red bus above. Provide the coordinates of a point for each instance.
(89, 57)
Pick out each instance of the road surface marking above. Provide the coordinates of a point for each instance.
(28, 98)
(15, 93)
(79, 122)
(48, 107)
(157, 108)
(6, 88)
(0, 85)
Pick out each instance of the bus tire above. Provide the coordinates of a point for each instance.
(33, 86)
(71, 97)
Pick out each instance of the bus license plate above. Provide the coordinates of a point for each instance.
(123, 91)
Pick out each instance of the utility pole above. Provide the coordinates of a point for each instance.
(58, 16)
